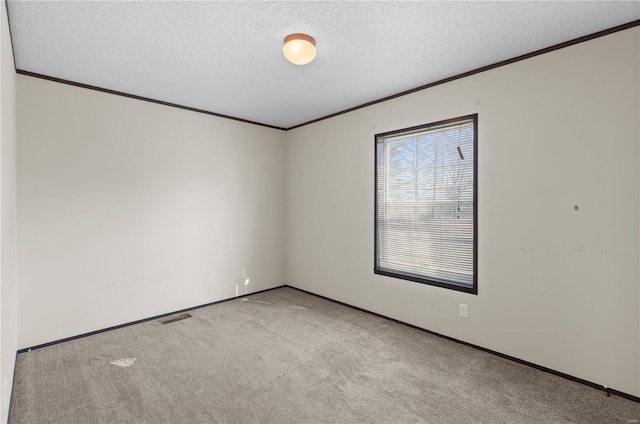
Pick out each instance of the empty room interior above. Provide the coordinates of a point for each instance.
(301, 212)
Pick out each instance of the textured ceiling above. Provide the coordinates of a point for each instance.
(226, 56)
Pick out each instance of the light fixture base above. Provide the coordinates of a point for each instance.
(299, 36)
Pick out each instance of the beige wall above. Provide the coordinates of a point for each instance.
(557, 287)
(129, 209)
(8, 279)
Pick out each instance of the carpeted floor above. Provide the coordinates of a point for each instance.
(285, 356)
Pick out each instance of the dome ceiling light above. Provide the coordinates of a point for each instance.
(299, 49)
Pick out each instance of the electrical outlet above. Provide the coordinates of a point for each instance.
(464, 311)
(243, 273)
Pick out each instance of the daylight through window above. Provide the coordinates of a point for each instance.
(426, 204)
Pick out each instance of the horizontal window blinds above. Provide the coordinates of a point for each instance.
(425, 202)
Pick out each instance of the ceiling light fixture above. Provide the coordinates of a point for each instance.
(299, 49)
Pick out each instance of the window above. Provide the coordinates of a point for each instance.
(425, 212)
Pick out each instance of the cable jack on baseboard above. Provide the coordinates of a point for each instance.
(606, 389)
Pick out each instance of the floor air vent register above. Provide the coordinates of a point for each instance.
(174, 318)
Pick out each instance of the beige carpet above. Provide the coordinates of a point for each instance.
(284, 356)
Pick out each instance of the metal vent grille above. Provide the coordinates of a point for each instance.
(174, 318)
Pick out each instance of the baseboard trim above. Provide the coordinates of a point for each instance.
(607, 390)
(115, 327)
